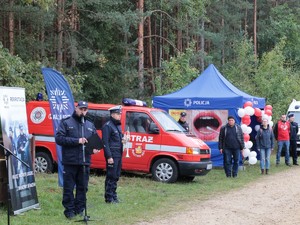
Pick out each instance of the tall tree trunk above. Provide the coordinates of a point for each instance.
(246, 22)
(179, 30)
(152, 83)
(74, 27)
(254, 27)
(202, 45)
(141, 47)
(11, 27)
(60, 16)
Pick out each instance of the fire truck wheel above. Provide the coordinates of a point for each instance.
(165, 170)
(43, 163)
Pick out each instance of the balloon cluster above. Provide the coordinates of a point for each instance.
(245, 113)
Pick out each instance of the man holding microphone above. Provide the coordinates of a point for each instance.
(73, 132)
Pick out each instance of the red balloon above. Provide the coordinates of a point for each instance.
(248, 104)
(246, 120)
(268, 107)
(246, 117)
(246, 137)
(268, 112)
(259, 119)
(257, 112)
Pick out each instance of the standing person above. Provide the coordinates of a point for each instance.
(182, 121)
(73, 132)
(113, 150)
(282, 131)
(22, 146)
(265, 144)
(293, 138)
(231, 142)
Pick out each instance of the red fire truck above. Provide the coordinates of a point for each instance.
(157, 143)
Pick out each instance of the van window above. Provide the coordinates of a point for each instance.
(98, 117)
(167, 122)
(137, 122)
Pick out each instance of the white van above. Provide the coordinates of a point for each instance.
(295, 109)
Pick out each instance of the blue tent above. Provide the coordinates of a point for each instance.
(210, 91)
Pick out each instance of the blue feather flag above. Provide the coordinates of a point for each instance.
(61, 106)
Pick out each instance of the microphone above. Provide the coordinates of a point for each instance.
(82, 119)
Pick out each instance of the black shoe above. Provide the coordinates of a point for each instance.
(111, 202)
(79, 213)
(288, 164)
(70, 216)
(295, 164)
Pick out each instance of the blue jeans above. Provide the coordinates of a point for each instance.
(287, 152)
(231, 168)
(265, 154)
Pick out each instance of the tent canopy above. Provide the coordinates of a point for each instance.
(209, 91)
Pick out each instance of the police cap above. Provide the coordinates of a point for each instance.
(82, 104)
(115, 109)
(183, 114)
(290, 115)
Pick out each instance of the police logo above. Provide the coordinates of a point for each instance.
(187, 102)
(38, 115)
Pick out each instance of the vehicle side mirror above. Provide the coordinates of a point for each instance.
(153, 129)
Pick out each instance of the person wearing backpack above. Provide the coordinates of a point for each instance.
(265, 144)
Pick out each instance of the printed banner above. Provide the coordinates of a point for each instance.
(61, 106)
(15, 135)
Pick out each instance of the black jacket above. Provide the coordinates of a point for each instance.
(112, 139)
(184, 124)
(68, 134)
(239, 133)
(294, 131)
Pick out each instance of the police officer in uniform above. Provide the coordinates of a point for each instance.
(113, 150)
(22, 144)
(293, 138)
(72, 134)
(182, 121)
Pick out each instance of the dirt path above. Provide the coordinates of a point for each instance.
(274, 199)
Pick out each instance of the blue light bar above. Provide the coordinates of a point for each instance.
(133, 102)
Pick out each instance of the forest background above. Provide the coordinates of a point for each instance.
(110, 49)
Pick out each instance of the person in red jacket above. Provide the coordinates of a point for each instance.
(282, 132)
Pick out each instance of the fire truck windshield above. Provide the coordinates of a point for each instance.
(167, 122)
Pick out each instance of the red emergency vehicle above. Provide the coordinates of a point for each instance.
(157, 144)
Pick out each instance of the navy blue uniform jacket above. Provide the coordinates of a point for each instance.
(68, 134)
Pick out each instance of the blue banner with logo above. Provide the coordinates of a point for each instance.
(61, 106)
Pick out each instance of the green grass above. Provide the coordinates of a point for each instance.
(142, 198)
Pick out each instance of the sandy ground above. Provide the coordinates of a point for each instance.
(274, 199)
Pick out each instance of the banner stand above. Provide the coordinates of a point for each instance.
(7, 154)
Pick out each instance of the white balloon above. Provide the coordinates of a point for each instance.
(253, 154)
(241, 112)
(265, 117)
(257, 127)
(246, 152)
(271, 123)
(244, 128)
(270, 118)
(249, 130)
(252, 160)
(249, 110)
(248, 144)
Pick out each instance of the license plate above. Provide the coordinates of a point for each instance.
(209, 166)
